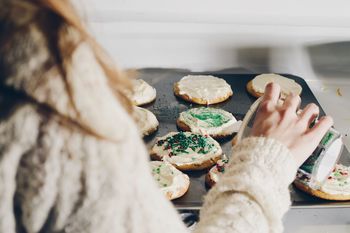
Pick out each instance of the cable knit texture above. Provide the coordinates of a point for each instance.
(257, 179)
(56, 176)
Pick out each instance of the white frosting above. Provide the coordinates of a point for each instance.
(192, 157)
(338, 182)
(205, 87)
(146, 121)
(288, 86)
(205, 127)
(170, 180)
(143, 93)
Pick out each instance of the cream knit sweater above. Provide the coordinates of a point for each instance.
(57, 177)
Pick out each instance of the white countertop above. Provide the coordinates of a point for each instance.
(334, 97)
(336, 220)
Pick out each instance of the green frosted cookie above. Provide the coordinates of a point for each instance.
(215, 122)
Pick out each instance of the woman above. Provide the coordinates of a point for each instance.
(71, 159)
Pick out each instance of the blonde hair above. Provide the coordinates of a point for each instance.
(67, 14)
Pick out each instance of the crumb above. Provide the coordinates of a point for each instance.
(324, 88)
(339, 92)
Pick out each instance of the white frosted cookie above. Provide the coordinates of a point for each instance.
(256, 87)
(142, 92)
(336, 187)
(172, 182)
(146, 121)
(203, 89)
(214, 122)
(187, 151)
(215, 172)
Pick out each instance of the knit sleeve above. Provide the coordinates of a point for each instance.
(253, 194)
(18, 136)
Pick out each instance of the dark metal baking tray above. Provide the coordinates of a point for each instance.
(167, 108)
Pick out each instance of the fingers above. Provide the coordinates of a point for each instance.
(270, 98)
(308, 115)
(317, 132)
(292, 102)
(313, 138)
(272, 93)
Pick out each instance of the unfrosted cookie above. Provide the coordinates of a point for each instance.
(214, 122)
(142, 92)
(256, 87)
(215, 172)
(203, 89)
(187, 151)
(146, 121)
(336, 187)
(172, 182)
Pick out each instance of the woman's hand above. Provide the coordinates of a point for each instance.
(282, 123)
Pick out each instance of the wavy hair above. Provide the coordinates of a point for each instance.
(67, 15)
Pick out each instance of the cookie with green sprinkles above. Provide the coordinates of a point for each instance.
(336, 187)
(214, 122)
(187, 151)
(171, 181)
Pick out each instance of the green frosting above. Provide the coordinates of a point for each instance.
(211, 116)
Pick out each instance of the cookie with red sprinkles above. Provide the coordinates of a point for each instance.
(336, 187)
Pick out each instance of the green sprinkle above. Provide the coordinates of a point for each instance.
(180, 143)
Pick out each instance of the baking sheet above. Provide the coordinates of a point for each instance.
(167, 108)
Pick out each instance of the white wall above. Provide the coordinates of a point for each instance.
(202, 34)
(276, 12)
